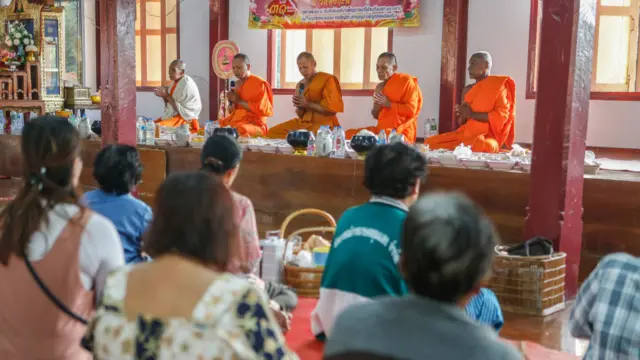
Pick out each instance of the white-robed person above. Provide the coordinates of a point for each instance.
(182, 104)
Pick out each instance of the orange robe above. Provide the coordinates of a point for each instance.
(405, 96)
(178, 120)
(495, 95)
(258, 95)
(323, 89)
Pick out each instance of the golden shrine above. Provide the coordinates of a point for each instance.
(32, 58)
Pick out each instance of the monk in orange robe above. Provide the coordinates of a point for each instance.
(252, 100)
(487, 115)
(397, 100)
(182, 104)
(316, 105)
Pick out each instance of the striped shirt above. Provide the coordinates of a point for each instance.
(485, 309)
(607, 309)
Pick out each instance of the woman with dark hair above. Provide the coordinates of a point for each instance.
(184, 304)
(118, 169)
(448, 249)
(67, 249)
(221, 155)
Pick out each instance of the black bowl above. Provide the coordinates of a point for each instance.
(96, 127)
(362, 144)
(299, 139)
(233, 132)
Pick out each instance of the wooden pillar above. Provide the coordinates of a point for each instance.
(453, 68)
(218, 31)
(560, 128)
(118, 71)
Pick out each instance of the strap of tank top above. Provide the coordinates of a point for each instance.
(76, 227)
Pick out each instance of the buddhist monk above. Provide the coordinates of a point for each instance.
(317, 98)
(487, 114)
(397, 100)
(182, 104)
(251, 100)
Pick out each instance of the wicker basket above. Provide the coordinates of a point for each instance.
(532, 285)
(306, 281)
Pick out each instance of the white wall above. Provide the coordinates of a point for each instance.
(418, 52)
(502, 28)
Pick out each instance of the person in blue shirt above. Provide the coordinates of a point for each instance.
(118, 169)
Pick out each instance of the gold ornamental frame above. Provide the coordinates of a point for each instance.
(55, 102)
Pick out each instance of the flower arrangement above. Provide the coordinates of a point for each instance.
(7, 56)
(17, 39)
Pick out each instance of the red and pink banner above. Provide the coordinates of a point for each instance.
(325, 14)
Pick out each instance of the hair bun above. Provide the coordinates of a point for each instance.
(214, 164)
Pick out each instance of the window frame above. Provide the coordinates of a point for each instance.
(595, 95)
(143, 32)
(271, 63)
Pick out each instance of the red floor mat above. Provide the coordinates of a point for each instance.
(301, 340)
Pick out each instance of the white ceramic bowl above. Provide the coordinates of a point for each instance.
(504, 165)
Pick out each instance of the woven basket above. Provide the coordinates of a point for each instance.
(532, 285)
(306, 281)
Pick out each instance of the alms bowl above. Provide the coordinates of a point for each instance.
(362, 144)
(299, 140)
(227, 131)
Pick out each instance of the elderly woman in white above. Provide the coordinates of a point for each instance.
(182, 104)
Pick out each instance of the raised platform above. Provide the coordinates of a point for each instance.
(280, 184)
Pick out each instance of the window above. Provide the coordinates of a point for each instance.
(350, 54)
(156, 40)
(73, 32)
(615, 51)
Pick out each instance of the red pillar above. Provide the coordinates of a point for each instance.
(560, 129)
(118, 71)
(218, 31)
(453, 68)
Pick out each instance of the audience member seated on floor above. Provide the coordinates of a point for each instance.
(607, 309)
(51, 249)
(366, 248)
(184, 304)
(448, 248)
(117, 169)
(182, 103)
(221, 155)
(487, 115)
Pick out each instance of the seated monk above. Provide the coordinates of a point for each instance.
(487, 115)
(318, 98)
(397, 100)
(182, 103)
(251, 100)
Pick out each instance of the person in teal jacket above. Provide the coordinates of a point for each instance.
(363, 260)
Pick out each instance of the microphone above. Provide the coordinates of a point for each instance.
(301, 92)
(233, 88)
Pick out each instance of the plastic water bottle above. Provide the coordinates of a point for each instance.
(433, 128)
(382, 137)
(339, 140)
(140, 130)
(16, 123)
(3, 122)
(208, 129)
(311, 146)
(150, 132)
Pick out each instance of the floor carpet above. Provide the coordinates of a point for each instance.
(301, 340)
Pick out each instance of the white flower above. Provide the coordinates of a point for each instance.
(26, 41)
(16, 42)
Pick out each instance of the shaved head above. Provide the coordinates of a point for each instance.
(391, 57)
(306, 55)
(241, 66)
(177, 69)
(306, 65)
(480, 65)
(386, 66)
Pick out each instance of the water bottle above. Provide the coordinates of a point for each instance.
(311, 146)
(208, 129)
(427, 128)
(382, 137)
(433, 128)
(339, 141)
(140, 131)
(3, 122)
(16, 123)
(150, 132)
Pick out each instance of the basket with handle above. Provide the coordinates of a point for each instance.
(306, 281)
